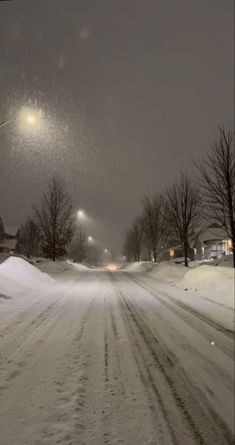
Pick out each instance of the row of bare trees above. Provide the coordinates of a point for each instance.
(51, 228)
(179, 211)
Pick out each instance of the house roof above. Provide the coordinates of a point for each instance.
(179, 246)
(8, 243)
(214, 233)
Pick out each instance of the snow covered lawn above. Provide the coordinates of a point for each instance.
(91, 357)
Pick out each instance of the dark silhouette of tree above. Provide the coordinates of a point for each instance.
(181, 202)
(79, 245)
(94, 253)
(28, 238)
(54, 215)
(127, 248)
(2, 231)
(155, 225)
(217, 184)
(133, 242)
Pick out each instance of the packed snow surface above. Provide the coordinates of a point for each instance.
(128, 357)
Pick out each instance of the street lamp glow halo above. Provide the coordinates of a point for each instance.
(81, 213)
(30, 118)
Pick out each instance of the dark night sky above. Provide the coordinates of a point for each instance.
(130, 90)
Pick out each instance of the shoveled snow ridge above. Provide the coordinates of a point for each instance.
(217, 283)
(18, 276)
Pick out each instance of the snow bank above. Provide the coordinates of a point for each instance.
(139, 266)
(216, 282)
(78, 266)
(17, 276)
(59, 267)
(166, 271)
(213, 283)
(53, 267)
(224, 261)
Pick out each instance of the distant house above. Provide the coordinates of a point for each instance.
(209, 241)
(212, 242)
(8, 246)
(7, 241)
(177, 251)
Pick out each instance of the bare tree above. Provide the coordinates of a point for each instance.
(54, 216)
(2, 231)
(218, 184)
(182, 207)
(28, 237)
(79, 246)
(137, 235)
(94, 254)
(127, 248)
(133, 241)
(154, 224)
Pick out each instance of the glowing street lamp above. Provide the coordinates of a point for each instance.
(81, 214)
(90, 239)
(28, 118)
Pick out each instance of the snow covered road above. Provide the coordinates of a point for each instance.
(110, 358)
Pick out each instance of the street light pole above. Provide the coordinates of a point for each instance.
(6, 123)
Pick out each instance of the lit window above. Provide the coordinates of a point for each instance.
(172, 253)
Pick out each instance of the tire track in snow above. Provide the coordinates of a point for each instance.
(206, 321)
(28, 331)
(71, 389)
(201, 435)
(13, 365)
(212, 323)
(148, 381)
(106, 436)
(10, 329)
(14, 344)
(106, 348)
(115, 336)
(153, 395)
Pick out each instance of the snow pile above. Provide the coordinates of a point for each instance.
(224, 261)
(17, 276)
(167, 271)
(57, 268)
(164, 271)
(53, 267)
(139, 266)
(77, 266)
(215, 282)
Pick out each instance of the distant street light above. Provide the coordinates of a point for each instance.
(81, 214)
(82, 218)
(90, 239)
